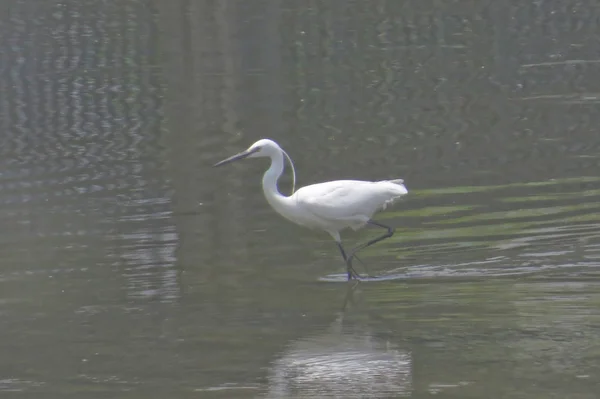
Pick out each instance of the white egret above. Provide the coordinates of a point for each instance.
(331, 206)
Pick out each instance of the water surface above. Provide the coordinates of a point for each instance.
(130, 267)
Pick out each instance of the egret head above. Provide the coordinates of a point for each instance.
(262, 148)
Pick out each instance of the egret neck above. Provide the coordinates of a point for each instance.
(278, 201)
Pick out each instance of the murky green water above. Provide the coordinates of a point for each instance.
(129, 267)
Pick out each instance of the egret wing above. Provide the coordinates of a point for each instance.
(344, 199)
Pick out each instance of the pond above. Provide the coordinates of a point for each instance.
(130, 267)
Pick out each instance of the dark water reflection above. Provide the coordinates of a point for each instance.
(130, 267)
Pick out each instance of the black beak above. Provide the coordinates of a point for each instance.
(241, 155)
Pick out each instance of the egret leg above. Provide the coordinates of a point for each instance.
(349, 265)
(351, 272)
(388, 234)
(363, 264)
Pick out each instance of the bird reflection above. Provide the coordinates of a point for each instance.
(345, 361)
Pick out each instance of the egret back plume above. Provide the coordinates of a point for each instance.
(293, 171)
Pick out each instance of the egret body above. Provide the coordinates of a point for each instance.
(331, 206)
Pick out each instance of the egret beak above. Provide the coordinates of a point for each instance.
(241, 155)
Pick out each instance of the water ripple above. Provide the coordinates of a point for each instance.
(538, 227)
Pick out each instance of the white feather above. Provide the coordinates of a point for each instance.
(346, 203)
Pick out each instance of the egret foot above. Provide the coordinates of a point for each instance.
(348, 258)
(351, 272)
(368, 273)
